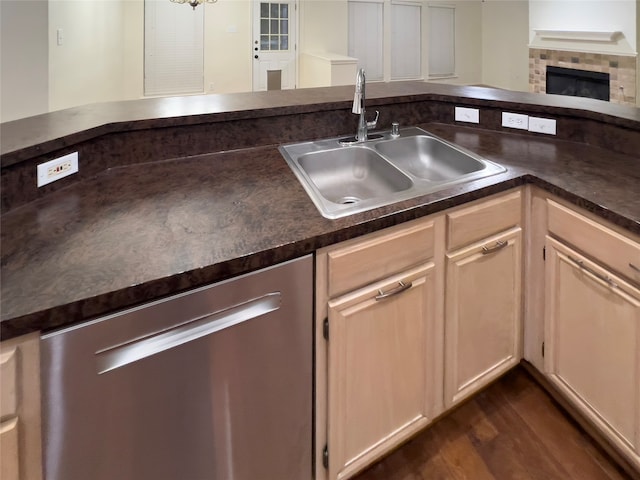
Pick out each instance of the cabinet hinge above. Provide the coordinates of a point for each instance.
(325, 457)
(544, 253)
(325, 329)
(543, 349)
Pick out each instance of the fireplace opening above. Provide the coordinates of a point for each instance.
(577, 83)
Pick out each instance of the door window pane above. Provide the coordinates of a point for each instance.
(274, 26)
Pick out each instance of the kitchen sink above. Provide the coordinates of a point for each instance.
(429, 158)
(350, 175)
(343, 180)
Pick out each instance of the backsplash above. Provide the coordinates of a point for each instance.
(622, 70)
(144, 141)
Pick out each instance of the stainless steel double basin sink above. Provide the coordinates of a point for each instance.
(346, 179)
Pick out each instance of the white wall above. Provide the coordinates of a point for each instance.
(228, 50)
(24, 78)
(132, 49)
(324, 26)
(505, 39)
(585, 15)
(92, 30)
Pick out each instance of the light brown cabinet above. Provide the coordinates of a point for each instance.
(401, 347)
(592, 324)
(379, 344)
(483, 313)
(20, 449)
(483, 300)
(378, 295)
(468, 271)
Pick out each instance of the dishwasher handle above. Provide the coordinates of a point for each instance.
(121, 355)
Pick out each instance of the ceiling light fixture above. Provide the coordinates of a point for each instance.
(194, 3)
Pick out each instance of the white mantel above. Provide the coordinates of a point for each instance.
(591, 26)
(604, 42)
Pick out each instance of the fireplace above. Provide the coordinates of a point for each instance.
(577, 83)
(622, 70)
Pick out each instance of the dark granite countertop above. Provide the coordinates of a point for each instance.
(136, 233)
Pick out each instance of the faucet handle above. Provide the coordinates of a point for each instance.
(374, 122)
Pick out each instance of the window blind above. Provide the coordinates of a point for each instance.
(366, 37)
(441, 41)
(173, 48)
(405, 42)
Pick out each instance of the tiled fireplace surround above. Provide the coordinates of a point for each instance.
(622, 70)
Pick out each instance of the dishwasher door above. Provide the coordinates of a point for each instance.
(212, 384)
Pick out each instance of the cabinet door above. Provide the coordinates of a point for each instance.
(20, 440)
(482, 313)
(592, 342)
(9, 461)
(379, 341)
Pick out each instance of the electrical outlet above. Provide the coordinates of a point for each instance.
(542, 125)
(57, 168)
(464, 114)
(515, 120)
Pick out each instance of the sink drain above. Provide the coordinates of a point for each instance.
(348, 200)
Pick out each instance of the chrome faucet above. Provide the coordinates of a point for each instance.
(359, 108)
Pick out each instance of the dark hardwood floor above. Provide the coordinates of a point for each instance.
(513, 430)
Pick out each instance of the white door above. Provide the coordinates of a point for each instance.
(274, 45)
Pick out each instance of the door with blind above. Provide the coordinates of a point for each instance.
(173, 48)
(274, 45)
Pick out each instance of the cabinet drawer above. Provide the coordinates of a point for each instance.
(365, 261)
(597, 241)
(483, 219)
(8, 393)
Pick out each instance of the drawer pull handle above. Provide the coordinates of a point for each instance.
(633, 267)
(499, 245)
(600, 276)
(394, 291)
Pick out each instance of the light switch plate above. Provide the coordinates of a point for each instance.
(465, 114)
(542, 125)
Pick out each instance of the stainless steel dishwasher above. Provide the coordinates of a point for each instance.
(212, 384)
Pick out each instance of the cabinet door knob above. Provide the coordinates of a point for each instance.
(394, 291)
(633, 267)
